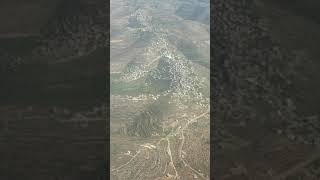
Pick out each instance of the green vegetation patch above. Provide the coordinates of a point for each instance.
(193, 53)
(119, 87)
(190, 51)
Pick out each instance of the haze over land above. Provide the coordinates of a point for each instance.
(160, 89)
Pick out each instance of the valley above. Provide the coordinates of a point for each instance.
(160, 90)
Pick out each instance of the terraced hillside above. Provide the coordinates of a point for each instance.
(160, 89)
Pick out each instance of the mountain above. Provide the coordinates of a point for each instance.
(159, 89)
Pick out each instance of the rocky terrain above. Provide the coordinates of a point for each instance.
(166, 85)
(264, 96)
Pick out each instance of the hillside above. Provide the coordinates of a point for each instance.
(160, 89)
